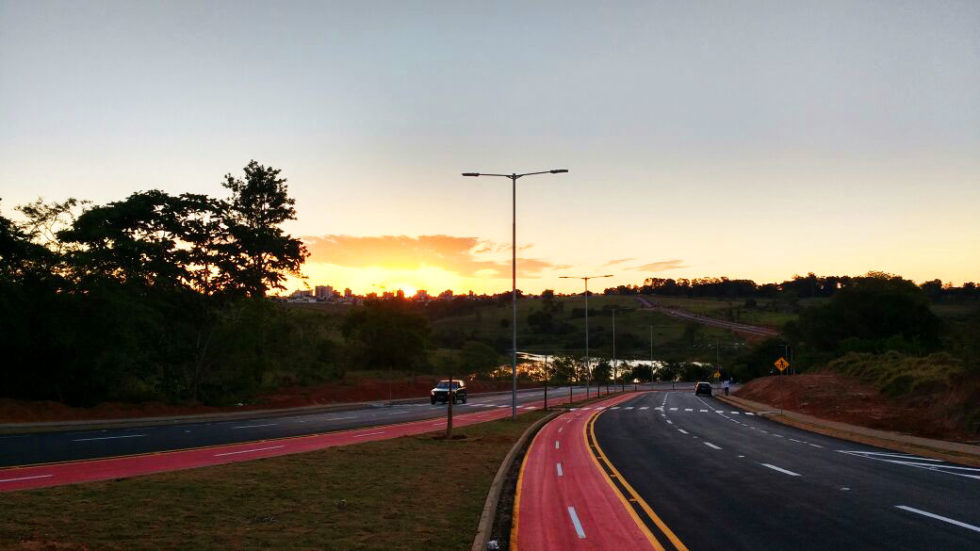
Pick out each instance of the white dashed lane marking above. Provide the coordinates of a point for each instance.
(558, 468)
(938, 517)
(250, 451)
(108, 437)
(575, 522)
(253, 426)
(784, 471)
(712, 446)
(19, 478)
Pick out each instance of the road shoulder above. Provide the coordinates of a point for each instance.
(954, 452)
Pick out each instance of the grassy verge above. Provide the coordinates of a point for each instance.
(406, 493)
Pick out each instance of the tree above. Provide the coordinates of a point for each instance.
(479, 357)
(386, 334)
(602, 372)
(259, 254)
(563, 368)
(875, 313)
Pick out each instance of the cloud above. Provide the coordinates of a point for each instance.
(661, 266)
(619, 261)
(465, 256)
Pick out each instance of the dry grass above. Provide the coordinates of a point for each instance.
(406, 493)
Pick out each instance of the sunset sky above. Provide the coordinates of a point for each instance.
(742, 139)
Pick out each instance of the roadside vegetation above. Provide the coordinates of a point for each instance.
(406, 493)
(163, 298)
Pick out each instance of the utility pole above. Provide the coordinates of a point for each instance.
(546, 382)
(614, 350)
(513, 268)
(588, 370)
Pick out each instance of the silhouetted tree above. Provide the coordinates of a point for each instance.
(259, 253)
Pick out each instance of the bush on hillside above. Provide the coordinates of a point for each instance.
(896, 374)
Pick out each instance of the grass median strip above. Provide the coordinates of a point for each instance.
(404, 493)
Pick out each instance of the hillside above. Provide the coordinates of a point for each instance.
(837, 397)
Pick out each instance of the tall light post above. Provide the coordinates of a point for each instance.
(513, 263)
(588, 380)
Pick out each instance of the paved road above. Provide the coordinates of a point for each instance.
(707, 320)
(74, 445)
(563, 501)
(720, 478)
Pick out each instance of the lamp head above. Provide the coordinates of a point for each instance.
(558, 170)
(471, 174)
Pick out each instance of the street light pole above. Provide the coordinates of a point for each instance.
(513, 266)
(588, 371)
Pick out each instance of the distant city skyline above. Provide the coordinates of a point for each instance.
(752, 140)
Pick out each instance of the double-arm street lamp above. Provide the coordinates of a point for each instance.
(588, 371)
(513, 266)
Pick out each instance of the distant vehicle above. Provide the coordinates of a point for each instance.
(441, 392)
(702, 388)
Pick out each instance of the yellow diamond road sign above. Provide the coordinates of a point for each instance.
(782, 364)
(717, 374)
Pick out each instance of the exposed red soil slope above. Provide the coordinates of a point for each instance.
(845, 399)
(359, 390)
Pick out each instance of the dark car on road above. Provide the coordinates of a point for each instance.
(702, 388)
(441, 392)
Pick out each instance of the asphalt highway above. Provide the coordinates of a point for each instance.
(721, 478)
(26, 449)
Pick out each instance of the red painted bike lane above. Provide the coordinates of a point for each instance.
(564, 500)
(73, 472)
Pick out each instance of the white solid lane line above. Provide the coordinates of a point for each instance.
(784, 471)
(368, 434)
(938, 517)
(250, 451)
(34, 477)
(576, 523)
(710, 445)
(558, 468)
(108, 437)
(253, 426)
(339, 418)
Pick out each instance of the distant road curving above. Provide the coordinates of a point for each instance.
(754, 330)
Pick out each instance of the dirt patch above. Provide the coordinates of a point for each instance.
(352, 390)
(845, 399)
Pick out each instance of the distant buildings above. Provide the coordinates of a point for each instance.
(324, 292)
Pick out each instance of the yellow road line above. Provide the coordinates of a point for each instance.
(629, 508)
(643, 504)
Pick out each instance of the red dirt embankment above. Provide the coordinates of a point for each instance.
(845, 399)
(359, 390)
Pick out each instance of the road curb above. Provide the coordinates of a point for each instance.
(954, 452)
(485, 526)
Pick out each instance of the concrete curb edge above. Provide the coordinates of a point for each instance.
(485, 526)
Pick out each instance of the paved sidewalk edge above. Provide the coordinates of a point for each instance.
(956, 452)
(485, 526)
